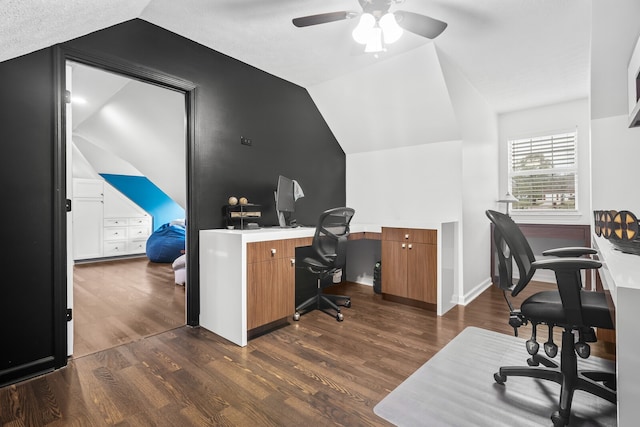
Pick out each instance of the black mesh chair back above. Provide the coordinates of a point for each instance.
(330, 239)
(511, 246)
(328, 256)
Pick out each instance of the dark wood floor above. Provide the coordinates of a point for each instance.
(313, 372)
(116, 302)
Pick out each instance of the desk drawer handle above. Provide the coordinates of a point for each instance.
(293, 261)
(410, 246)
(273, 251)
(404, 245)
(406, 236)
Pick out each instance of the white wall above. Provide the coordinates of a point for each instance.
(411, 186)
(616, 165)
(615, 147)
(398, 102)
(545, 121)
(478, 127)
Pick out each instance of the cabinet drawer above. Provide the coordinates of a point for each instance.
(115, 248)
(115, 233)
(137, 246)
(414, 235)
(286, 248)
(146, 221)
(138, 232)
(264, 251)
(115, 222)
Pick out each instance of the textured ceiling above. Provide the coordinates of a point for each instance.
(517, 53)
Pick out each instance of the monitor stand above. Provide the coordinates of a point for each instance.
(281, 221)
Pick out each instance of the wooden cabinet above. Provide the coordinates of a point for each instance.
(409, 263)
(271, 280)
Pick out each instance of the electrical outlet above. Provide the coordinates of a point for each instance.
(245, 141)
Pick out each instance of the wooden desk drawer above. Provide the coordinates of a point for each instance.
(414, 235)
(264, 251)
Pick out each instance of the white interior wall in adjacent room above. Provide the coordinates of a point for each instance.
(550, 119)
(102, 160)
(81, 166)
(145, 126)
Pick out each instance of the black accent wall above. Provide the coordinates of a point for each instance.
(231, 99)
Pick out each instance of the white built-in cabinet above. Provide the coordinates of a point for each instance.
(87, 209)
(105, 222)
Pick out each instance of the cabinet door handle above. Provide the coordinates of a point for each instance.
(406, 236)
(404, 246)
(410, 246)
(273, 251)
(293, 261)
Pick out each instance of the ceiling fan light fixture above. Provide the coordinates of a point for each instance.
(374, 43)
(362, 33)
(391, 31)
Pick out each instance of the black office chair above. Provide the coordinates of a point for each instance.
(570, 307)
(329, 255)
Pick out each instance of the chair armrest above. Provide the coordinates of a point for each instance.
(564, 264)
(570, 252)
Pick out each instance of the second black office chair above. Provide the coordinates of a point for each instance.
(570, 307)
(329, 248)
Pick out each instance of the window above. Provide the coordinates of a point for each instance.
(542, 172)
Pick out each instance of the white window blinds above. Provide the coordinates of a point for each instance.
(543, 172)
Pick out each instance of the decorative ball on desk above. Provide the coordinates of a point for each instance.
(243, 200)
(233, 201)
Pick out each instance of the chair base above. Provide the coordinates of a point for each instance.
(320, 301)
(598, 383)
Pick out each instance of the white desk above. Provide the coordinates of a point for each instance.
(223, 273)
(620, 275)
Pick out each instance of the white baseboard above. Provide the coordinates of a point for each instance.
(473, 293)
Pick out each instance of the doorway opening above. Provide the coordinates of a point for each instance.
(127, 177)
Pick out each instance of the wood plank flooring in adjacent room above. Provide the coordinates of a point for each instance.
(117, 302)
(313, 372)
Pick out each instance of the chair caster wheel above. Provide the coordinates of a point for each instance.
(296, 316)
(500, 379)
(583, 349)
(532, 362)
(558, 421)
(550, 349)
(339, 317)
(347, 303)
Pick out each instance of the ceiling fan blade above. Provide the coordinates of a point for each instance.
(420, 24)
(322, 18)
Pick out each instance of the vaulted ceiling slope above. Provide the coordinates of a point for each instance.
(517, 53)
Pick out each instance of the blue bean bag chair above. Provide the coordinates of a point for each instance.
(166, 243)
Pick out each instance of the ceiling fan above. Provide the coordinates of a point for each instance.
(379, 27)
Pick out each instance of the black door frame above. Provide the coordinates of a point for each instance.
(144, 74)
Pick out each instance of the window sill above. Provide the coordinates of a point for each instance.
(546, 217)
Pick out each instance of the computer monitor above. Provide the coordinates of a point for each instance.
(285, 200)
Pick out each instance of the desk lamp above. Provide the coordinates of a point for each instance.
(508, 199)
